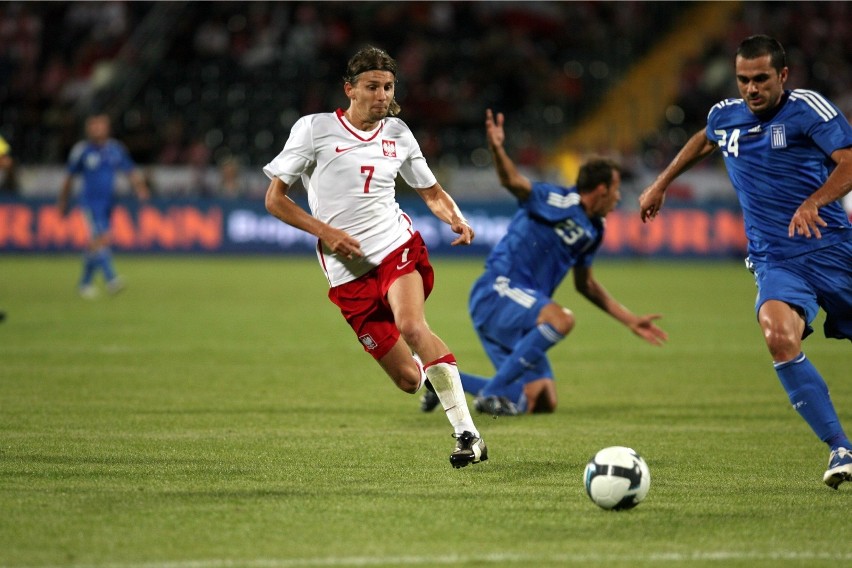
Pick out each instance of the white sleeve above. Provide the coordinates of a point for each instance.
(297, 156)
(414, 170)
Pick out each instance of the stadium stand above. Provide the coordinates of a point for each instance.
(234, 76)
(200, 83)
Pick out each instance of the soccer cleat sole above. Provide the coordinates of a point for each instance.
(460, 461)
(833, 478)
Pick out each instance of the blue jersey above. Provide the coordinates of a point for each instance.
(98, 165)
(548, 235)
(776, 162)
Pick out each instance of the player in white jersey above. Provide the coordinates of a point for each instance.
(376, 263)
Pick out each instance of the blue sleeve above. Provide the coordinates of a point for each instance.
(712, 117)
(833, 135)
(75, 159)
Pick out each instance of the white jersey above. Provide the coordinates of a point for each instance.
(350, 177)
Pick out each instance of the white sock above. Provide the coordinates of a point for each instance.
(446, 381)
(423, 377)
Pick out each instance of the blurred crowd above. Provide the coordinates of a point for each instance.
(219, 84)
(817, 37)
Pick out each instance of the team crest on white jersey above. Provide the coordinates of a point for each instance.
(389, 148)
(368, 341)
(779, 136)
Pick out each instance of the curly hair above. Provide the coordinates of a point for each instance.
(371, 58)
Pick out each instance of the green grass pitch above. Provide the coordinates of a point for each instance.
(220, 413)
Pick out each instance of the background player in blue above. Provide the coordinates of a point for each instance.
(789, 157)
(555, 228)
(98, 159)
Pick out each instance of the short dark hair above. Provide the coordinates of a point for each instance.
(759, 45)
(596, 171)
(370, 58)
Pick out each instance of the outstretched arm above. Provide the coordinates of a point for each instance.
(444, 207)
(509, 176)
(282, 207)
(643, 326)
(696, 149)
(806, 220)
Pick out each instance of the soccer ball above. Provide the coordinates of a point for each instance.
(617, 478)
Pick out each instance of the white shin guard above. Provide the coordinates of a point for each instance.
(446, 381)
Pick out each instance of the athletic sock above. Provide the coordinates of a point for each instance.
(529, 350)
(104, 257)
(419, 363)
(444, 376)
(474, 384)
(90, 262)
(809, 396)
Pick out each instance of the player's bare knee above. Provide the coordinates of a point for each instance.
(559, 318)
(413, 332)
(782, 326)
(407, 382)
(564, 322)
(783, 344)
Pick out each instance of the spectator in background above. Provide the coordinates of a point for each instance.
(7, 165)
(173, 145)
(8, 183)
(232, 183)
(97, 160)
(198, 159)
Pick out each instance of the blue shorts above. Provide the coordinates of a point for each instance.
(502, 315)
(98, 219)
(820, 279)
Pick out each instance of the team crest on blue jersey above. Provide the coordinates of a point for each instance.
(389, 148)
(368, 341)
(93, 160)
(779, 137)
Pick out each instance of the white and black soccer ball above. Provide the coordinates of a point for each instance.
(617, 478)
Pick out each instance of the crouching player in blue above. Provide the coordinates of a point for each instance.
(789, 156)
(554, 230)
(98, 159)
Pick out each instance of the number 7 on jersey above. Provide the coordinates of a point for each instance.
(369, 171)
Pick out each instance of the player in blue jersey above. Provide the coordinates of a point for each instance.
(97, 160)
(789, 157)
(554, 230)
